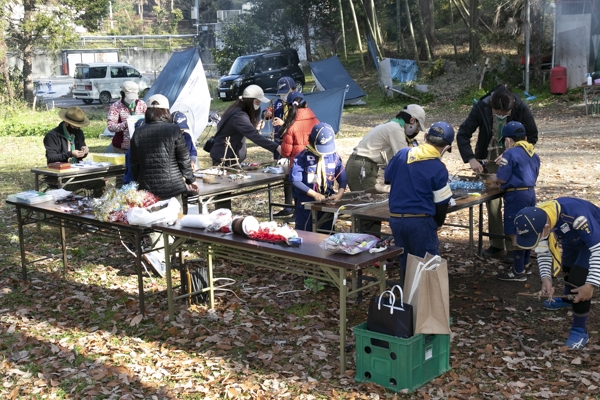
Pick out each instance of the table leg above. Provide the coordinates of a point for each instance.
(211, 286)
(169, 281)
(270, 202)
(585, 95)
(63, 243)
(480, 233)
(471, 231)
(22, 243)
(343, 295)
(138, 268)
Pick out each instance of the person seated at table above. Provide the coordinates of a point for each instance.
(313, 174)
(160, 162)
(239, 122)
(420, 193)
(66, 143)
(294, 135)
(518, 170)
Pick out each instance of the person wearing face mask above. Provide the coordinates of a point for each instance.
(388, 138)
(490, 114)
(575, 225)
(118, 113)
(66, 143)
(241, 121)
(279, 110)
(420, 193)
(518, 170)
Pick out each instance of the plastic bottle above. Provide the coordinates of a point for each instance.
(589, 79)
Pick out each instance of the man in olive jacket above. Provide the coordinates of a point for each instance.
(490, 114)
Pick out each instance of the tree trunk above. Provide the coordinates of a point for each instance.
(376, 24)
(427, 13)
(473, 32)
(401, 44)
(412, 31)
(464, 15)
(426, 53)
(362, 58)
(28, 15)
(306, 32)
(343, 31)
(372, 29)
(4, 69)
(453, 32)
(536, 37)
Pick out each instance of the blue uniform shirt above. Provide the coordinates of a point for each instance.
(518, 169)
(418, 186)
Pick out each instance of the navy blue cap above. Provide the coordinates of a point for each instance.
(322, 137)
(529, 224)
(285, 84)
(180, 119)
(442, 130)
(513, 129)
(293, 96)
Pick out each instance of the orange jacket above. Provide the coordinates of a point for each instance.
(296, 138)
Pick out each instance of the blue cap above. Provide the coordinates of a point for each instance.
(322, 137)
(285, 84)
(513, 129)
(442, 130)
(293, 96)
(180, 119)
(529, 224)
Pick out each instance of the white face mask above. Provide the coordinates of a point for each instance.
(256, 106)
(130, 98)
(283, 97)
(411, 130)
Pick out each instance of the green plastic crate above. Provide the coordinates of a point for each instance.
(396, 363)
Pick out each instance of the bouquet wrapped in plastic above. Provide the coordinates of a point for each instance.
(113, 206)
(349, 243)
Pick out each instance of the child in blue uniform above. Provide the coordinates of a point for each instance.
(518, 170)
(419, 193)
(314, 172)
(575, 224)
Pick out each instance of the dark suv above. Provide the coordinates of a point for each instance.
(263, 69)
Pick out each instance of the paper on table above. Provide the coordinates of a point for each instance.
(131, 120)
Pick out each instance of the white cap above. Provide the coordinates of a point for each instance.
(417, 112)
(162, 101)
(255, 92)
(130, 87)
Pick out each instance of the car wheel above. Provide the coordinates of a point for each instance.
(299, 86)
(87, 101)
(105, 98)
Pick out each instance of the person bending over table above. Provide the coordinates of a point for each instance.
(66, 143)
(420, 193)
(160, 162)
(239, 122)
(490, 114)
(313, 174)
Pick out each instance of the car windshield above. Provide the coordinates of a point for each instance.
(90, 73)
(242, 65)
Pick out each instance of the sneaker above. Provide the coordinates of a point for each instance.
(157, 266)
(512, 276)
(556, 303)
(528, 269)
(492, 252)
(578, 338)
(509, 259)
(286, 212)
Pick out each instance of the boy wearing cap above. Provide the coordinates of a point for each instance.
(518, 170)
(489, 115)
(575, 224)
(180, 119)
(66, 143)
(118, 112)
(419, 193)
(313, 174)
(285, 86)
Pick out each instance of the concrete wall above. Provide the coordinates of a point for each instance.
(145, 60)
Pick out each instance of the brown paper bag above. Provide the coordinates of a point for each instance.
(427, 290)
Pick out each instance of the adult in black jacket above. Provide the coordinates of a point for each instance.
(240, 122)
(159, 158)
(491, 113)
(66, 143)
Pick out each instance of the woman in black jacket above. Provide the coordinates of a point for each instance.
(160, 160)
(491, 113)
(241, 121)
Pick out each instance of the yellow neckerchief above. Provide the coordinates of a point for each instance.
(528, 147)
(321, 180)
(409, 141)
(552, 210)
(422, 152)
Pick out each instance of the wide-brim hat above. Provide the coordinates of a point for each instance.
(74, 116)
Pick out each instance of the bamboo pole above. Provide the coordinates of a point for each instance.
(453, 31)
(343, 31)
(362, 59)
(412, 31)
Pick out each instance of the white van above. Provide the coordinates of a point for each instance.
(102, 81)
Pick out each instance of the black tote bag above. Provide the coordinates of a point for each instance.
(389, 315)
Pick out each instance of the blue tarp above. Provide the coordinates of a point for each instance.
(403, 70)
(331, 74)
(371, 47)
(326, 104)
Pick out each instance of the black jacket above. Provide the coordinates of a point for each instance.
(239, 128)
(57, 146)
(160, 159)
(481, 117)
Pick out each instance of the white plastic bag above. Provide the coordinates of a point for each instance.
(349, 243)
(146, 216)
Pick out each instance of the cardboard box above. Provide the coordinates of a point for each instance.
(113, 158)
